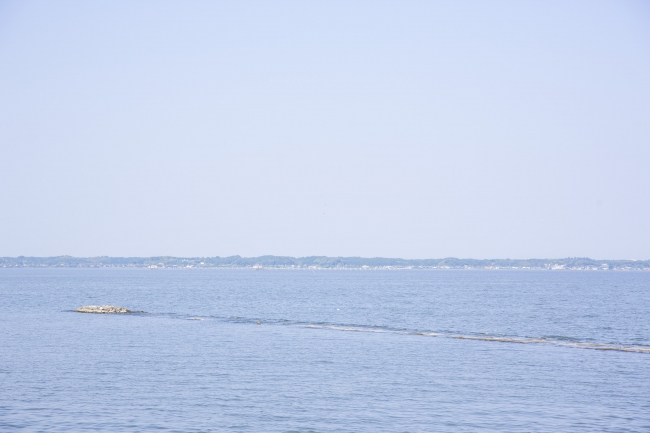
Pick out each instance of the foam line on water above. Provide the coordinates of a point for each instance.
(553, 340)
(506, 339)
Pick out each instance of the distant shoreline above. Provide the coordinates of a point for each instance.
(323, 263)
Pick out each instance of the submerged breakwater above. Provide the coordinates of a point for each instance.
(561, 341)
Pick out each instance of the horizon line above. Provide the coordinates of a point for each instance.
(315, 256)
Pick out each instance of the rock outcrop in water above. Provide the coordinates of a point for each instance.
(103, 309)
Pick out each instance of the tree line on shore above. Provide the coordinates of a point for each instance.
(323, 262)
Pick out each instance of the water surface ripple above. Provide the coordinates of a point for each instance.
(329, 351)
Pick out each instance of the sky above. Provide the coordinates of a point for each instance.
(417, 129)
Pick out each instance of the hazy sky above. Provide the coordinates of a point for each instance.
(406, 129)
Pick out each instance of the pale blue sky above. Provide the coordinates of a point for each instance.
(400, 129)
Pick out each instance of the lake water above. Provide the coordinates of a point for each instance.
(335, 351)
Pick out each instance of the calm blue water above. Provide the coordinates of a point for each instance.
(336, 351)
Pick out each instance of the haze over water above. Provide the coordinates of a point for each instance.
(334, 351)
(419, 129)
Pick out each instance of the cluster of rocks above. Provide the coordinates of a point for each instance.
(102, 309)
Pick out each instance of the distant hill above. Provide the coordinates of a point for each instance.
(321, 262)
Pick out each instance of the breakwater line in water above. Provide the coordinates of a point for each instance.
(564, 342)
(550, 340)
